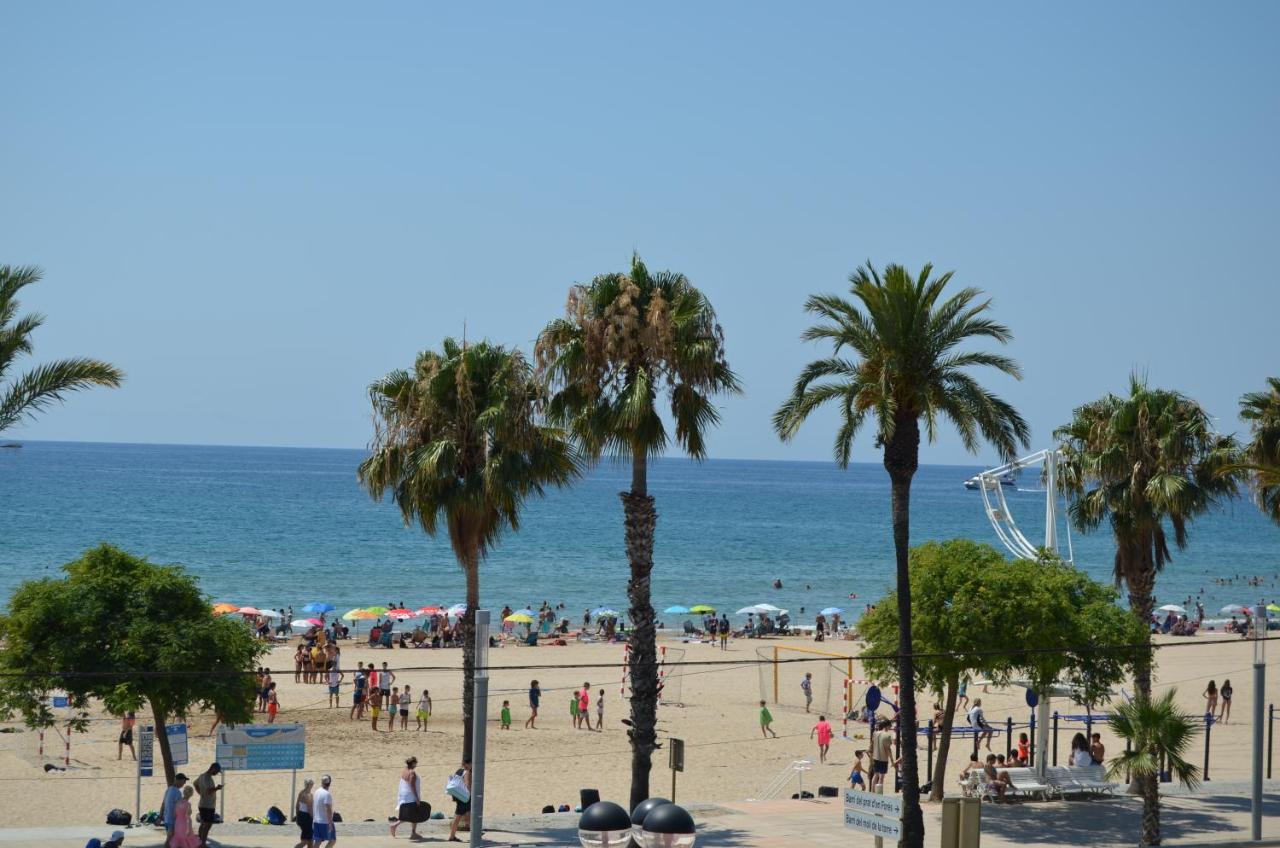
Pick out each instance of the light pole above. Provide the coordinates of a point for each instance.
(479, 724)
(1259, 715)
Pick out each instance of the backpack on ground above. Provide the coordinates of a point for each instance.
(275, 816)
(118, 816)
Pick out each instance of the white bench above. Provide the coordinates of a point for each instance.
(1079, 779)
(1025, 781)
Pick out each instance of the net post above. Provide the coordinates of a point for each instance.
(775, 674)
(847, 684)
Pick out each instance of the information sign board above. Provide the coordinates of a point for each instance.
(177, 734)
(873, 804)
(875, 825)
(256, 747)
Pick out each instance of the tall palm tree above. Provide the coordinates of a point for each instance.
(908, 367)
(626, 338)
(1147, 463)
(457, 442)
(1157, 732)
(32, 392)
(1262, 454)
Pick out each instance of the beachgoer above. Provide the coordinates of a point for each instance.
(273, 704)
(996, 781)
(967, 774)
(408, 794)
(1096, 750)
(881, 752)
(979, 723)
(302, 814)
(375, 706)
(208, 800)
(573, 709)
(806, 686)
(1211, 696)
(183, 834)
(766, 721)
(299, 659)
(393, 703)
(406, 703)
(1024, 747)
(169, 806)
(856, 775)
(424, 709)
(335, 686)
(126, 735)
(385, 678)
(358, 693)
(600, 712)
(322, 827)
(962, 695)
(506, 715)
(116, 840)
(264, 696)
(823, 729)
(1080, 755)
(584, 701)
(535, 695)
(461, 808)
(1224, 693)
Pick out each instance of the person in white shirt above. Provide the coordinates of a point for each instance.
(322, 827)
(979, 723)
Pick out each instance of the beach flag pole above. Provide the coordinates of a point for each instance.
(847, 683)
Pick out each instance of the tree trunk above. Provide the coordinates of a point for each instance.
(1142, 602)
(943, 736)
(1150, 809)
(471, 566)
(162, 740)
(641, 518)
(901, 458)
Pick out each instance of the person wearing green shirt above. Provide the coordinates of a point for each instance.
(766, 720)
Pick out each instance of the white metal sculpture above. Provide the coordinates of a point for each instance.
(992, 483)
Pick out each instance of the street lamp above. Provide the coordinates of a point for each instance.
(637, 817)
(1259, 685)
(668, 826)
(604, 825)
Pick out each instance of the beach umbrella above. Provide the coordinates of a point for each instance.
(358, 614)
(249, 611)
(318, 607)
(1233, 609)
(223, 609)
(832, 611)
(702, 608)
(1172, 608)
(604, 612)
(676, 610)
(376, 610)
(769, 608)
(430, 609)
(748, 611)
(270, 613)
(304, 623)
(401, 614)
(525, 611)
(1273, 608)
(519, 618)
(457, 611)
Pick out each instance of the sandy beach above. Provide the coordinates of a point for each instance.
(726, 759)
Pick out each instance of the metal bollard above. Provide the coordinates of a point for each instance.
(1271, 735)
(1008, 737)
(1054, 761)
(1208, 725)
(930, 755)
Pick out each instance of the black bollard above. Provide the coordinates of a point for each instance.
(1032, 728)
(1208, 724)
(1054, 761)
(1271, 735)
(930, 734)
(1008, 737)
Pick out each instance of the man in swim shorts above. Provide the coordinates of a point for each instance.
(881, 752)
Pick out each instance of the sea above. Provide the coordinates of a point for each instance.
(280, 527)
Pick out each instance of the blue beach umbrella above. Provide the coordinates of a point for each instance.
(832, 611)
(676, 610)
(604, 612)
(318, 607)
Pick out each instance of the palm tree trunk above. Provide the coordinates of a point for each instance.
(901, 459)
(471, 566)
(641, 518)
(1142, 581)
(943, 734)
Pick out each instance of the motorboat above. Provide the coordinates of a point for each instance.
(1006, 479)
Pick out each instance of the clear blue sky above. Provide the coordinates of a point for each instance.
(257, 208)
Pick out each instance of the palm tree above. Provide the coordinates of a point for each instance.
(32, 392)
(1262, 454)
(457, 442)
(1143, 462)
(1158, 733)
(907, 368)
(626, 338)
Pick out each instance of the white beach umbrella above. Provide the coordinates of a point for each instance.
(270, 613)
(1172, 608)
(457, 611)
(769, 608)
(1233, 609)
(749, 611)
(832, 611)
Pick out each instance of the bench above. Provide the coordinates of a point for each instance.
(1079, 779)
(1025, 781)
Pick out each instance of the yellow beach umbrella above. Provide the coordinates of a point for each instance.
(376, 610)
(702, 608)
(223, 609)
(519, 618)
(358, 614)
(1273, 608)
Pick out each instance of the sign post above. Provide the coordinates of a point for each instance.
(177, 734)
(677, 762)
(869, 812)
(259, 747)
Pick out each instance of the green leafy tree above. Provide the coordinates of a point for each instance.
(908, 367)
(1262, 454)
(1157, 732)
(626, 339)
(457, 443)
(976, 613)
(24, 395)
(1147, 464)
(128, 632)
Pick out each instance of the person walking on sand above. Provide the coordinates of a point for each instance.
(335, 686)
(806, 686)
(322, 827)
(573, 709)
(881, 753)
(584, 703)
(459, 788)
(1211, 697)
(1224, 710)
(424, 709)
(823, 729)
(408, 795)
(766, 722)
(600, 712)
(358, 695)
(302, 813)
(208, 791)
(724, 632)
(535, 695)
(126, 735)
(858, 772)
(505, 715)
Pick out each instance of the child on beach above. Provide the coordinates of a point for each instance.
(766, 720)
(393, 701)
(506, 715)
(1024, 748)
(855, 776)
(424, 709)
(406, 701)
(273, 703)
(375, 705)
(584, 702)
(806, 686)
(823, 729)
(535, 695)
(600, 711)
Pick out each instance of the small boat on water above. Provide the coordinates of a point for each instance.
(1007, 479)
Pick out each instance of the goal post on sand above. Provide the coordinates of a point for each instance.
(838, 666)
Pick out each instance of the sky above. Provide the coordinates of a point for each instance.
(256, 209)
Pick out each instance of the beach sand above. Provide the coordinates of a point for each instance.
(725, 757)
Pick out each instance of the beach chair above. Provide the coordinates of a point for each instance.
(1024, 781)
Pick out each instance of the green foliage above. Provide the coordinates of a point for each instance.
(975, 612)
(1157, 731)
(128, 632)
(626, 338)
(908, 363)
(35, 390)
(1262, 454)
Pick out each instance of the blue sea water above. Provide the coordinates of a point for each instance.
(275, 526)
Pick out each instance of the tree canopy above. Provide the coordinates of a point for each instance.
(129, 632)
(1262, 454)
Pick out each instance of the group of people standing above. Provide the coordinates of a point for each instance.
(176, 809)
